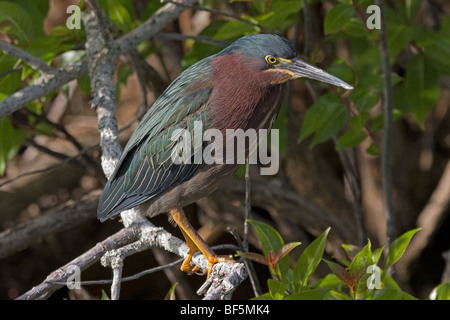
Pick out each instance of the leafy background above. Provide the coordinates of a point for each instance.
(318, 126)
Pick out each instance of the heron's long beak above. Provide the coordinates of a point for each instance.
(300, 68)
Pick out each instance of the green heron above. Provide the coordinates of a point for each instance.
(241, 87)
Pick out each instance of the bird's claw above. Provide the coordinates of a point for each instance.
(212, 260)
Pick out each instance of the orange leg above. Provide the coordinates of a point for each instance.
(195, 243)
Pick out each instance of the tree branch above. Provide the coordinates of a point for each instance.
(31, 60)
(59, 277)
(44, 84)
(101, 55)
(388, 109)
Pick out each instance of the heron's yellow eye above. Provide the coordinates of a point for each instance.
(271, 59)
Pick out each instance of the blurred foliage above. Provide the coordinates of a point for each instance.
(359, 277)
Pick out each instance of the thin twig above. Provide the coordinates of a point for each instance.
(69, 137)
(257, 291)
(57, 126)
(248, 206)
(387, 139)
(354, 184)
(117, 280)
(359, 12)
(308, 28)
(224, 14)
(352, 179)
(51, 167)
(68, 159)
(54, 154)
(143, 273)
(183, 37)
(31, 60)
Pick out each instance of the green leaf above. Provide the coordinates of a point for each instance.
(324, 119)
(339, 271)
(269, 237)
(398, 247)
(271, 241)
(104, 295)
(376, 255)
(367, 92)
(350, 139)
(264, 296)
(285, 249)
(171, 294)
(436, 48)
(234, 29)
(422, 87)
(412, 6)
(202, 50)
(350, 250)
(336, 295)
(11, 82)
(373, 150)
(277, 289)
(309, 260)
(44, 128)
(441, 292)
(151, 8)
(121, 13)
(338, 17)
(399, 35)
(391, 294)
(389, 283)
(281, 14)
(362, 260)
(37, 10)
(11, 139)
(84, 84)
(259, 258)
(342, 70)
(358, 269)
(356, 28)
(16, 22)
(309, 294)
(330, 280)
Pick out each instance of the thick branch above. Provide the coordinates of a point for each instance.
(101, 55)
(133, 239)
(58, 278)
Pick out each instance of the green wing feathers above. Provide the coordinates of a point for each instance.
(146, 167)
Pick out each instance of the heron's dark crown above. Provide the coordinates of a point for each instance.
(261, 45)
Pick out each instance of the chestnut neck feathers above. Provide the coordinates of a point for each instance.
(243, 96)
